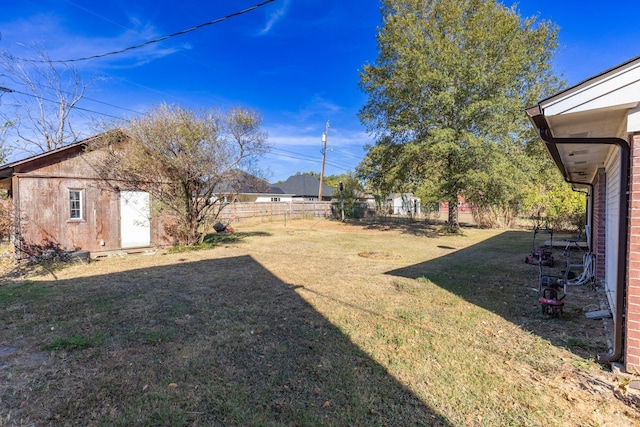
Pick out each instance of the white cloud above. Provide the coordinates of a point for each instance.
(275, 16)
(18, 38)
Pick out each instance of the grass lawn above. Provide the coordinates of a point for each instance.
(309, 323)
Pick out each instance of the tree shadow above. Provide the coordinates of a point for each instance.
(405, 225)
(492, 274)
(213, 342)
(426, 227)
(232, 237)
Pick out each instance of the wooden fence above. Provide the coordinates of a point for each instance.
(270, 211)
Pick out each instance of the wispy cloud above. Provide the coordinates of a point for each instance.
(290, 135)
(296, 151)
(47, 31)
(275, 16)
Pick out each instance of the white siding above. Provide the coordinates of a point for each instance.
(269, 199)
(612, 169)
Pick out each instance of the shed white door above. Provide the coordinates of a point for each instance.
(611, 228)
(135, 227)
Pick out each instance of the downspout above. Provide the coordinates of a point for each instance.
(545, 133)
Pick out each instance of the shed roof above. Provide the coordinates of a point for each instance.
(7, 169)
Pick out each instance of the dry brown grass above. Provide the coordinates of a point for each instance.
(312, 323)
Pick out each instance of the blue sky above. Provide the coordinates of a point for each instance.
(296, 61)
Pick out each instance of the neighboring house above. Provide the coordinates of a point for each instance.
(60, 202)
(305, 187)
(366, 199)
(462, 206)
(403, 204)
(245, 187)
(592, 132)
(275, 195)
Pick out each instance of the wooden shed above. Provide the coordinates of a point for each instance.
(61, 203)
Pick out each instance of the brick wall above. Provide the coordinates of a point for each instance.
(632, 347)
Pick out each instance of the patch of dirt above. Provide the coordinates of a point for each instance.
(379, 255)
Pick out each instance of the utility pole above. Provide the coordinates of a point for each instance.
(325, 136)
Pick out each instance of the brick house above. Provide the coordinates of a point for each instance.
(60, 202)
(592, 133)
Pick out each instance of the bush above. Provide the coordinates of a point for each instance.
(6, 218)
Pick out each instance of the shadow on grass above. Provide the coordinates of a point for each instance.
(492, 275)
(236, 236)
(405, 225)
(214, 342)
(212, 240)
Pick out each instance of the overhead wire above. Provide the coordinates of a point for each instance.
(333, 163)
(281, 152)
(126, 49)
(54, 101)
(293, 155)
(197, 61)
(308, 158)
(96, 14)
(179, 33)
(97, 101)
(346, 153)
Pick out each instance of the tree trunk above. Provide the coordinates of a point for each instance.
(453, 214)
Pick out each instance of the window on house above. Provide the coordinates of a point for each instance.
(275, 199)
(75, 204)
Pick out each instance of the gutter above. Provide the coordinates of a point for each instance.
(539, 120)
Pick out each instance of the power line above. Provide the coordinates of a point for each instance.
(297, 154)
(346, 153)
(54, 101)
(95, 14)
(97, 101)
(111, 105)
(179, 33)
(308, 158)
(181, 53)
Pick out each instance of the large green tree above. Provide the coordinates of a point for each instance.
(446, 97)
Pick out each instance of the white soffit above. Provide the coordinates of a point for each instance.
(590, 124)
(582, 161)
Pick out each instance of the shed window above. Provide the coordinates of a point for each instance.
(75, 204)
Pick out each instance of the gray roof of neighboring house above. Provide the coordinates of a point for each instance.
(242, 182)
(304, 186)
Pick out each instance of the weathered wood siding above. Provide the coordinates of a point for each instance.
(41, 196)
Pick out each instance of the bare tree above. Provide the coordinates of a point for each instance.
(44, 96)
(3, 138)
(187, 161)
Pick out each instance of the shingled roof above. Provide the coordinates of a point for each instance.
(243, 182)
(305, 186)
